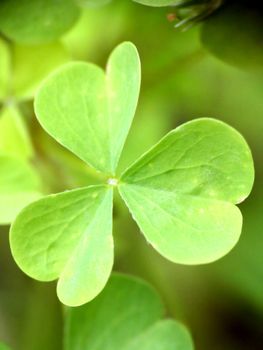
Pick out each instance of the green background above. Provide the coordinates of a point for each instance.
(221, 303)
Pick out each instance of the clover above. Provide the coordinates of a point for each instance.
(182, 192)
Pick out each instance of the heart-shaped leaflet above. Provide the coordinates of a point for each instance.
(69, 235)
(182, 192)
(90, 112)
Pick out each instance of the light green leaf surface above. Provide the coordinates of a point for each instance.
(19, 185)
(40, 59)
(185, 229)
(14, 138)
(156, 3)
(123, 317)
(182, 192)
(92, 3)
(69, 236)
(4, 69)
(93, 115)
(204, 157)
(37, 21)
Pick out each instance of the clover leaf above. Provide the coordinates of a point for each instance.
(83, 257)
(119, 325)
(182, 192)
(94, 113)
(38, 21)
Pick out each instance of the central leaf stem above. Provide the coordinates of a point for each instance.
(112, 181)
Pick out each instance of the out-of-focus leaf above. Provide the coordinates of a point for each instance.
(125, 316)
(92, 3)
(237, 21)
(14, 138)
(19, 185)
(4, 347)
(163, 335)
(4, 69)
(37, 21)
(88, 39)
(31, 64)
(242, 271)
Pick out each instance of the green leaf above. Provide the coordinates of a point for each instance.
(92, 3)
(42, 59)
(182, 192)
(4, 69)
(125, 316)
(164, 335)
(242, 23)
(89, 112)
(67, 236)
(184, 228)
(38, 21)
(156, 3)
(14, 138)
(19, 185)
(4, 347)
(204, 157)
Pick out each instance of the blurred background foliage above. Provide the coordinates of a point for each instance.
(221, 303)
